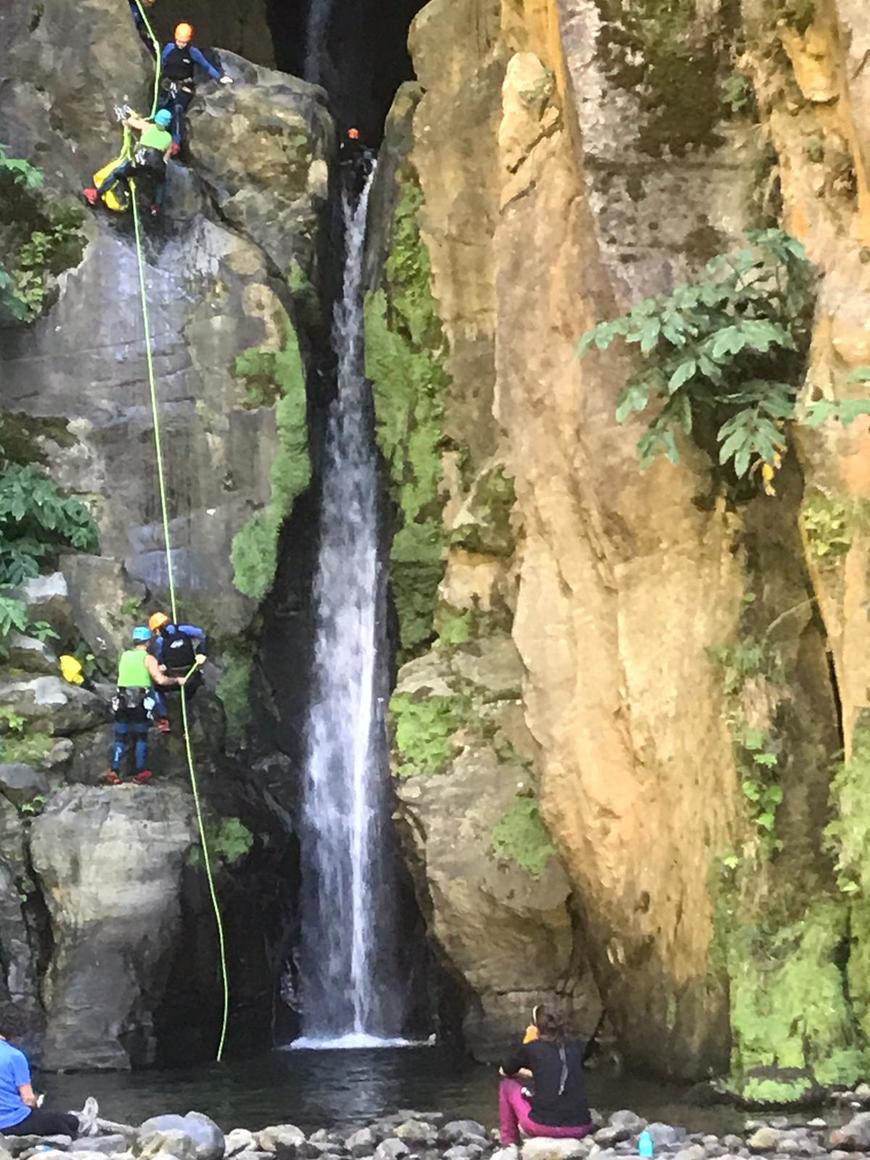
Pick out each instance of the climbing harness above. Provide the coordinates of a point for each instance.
(167, 543)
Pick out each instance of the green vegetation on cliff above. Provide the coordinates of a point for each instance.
(789, 999)
(520, 836)
(39, 238)
(229, 840)
(234, 687)
(405, 349)
(424, 728)
(722, 358)
(272, 375)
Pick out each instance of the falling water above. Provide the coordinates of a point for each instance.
(350, 992)
(316, 27)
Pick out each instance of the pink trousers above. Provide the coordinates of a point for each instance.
(514, 1113)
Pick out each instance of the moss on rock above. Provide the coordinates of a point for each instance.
(405, 350)
(424, 728)
(228, 839)
(234, 689)
(789, 1000)
(279, 373)
(520, 836)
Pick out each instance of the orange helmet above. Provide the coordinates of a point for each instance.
(157, 620)
(184, 32)
(353, 134)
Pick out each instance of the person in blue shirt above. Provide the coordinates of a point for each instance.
(180, 651)
(20, 1111)
(178, 63)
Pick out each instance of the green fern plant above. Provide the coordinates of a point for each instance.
(722, 356)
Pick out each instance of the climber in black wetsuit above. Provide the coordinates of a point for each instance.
(178, 63)
(141, 27)
(356, 161)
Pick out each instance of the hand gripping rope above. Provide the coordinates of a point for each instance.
(167, 544)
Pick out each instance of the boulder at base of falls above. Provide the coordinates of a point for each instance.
(110, 864)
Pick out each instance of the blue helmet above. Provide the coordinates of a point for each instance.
(141, 634)
(163, 118)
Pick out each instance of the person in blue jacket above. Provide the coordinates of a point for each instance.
(179, 60)
(21, 1111)
(180, 651)
(137, 8)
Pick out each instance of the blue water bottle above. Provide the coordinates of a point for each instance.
(645, 1144)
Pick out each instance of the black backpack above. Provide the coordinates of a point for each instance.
(179, 655)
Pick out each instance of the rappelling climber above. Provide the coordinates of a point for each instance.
(148, 161)
(178, 62)
(136, 705)
(180, 650)
(356, 161)
(141, 26)
(21, 1110)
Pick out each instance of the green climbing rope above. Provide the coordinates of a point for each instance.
(167, 543)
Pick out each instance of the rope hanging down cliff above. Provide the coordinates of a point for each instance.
(167, 545)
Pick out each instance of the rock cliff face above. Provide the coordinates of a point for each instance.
(102, 891)
(558, 163)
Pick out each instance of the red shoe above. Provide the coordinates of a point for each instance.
(143, 776)
(112, 778)
(162, 724)
(174, 149)
(90, 195)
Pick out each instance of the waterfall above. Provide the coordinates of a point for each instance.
(316, 28)
(350, 992)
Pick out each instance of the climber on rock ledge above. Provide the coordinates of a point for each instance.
(148, 162)
(135, 704)
(178, 64)
(179, 650)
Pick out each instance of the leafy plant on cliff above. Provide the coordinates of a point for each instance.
(39, 238)
(424, 728)
(36, 521)
(722, 358)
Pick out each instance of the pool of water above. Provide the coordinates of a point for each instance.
(316, 1088)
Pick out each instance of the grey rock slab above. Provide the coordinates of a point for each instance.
(457, 1131)
(238, 1140)
(106, 1145)
(853, 1136)
(417, 1133)
(545, 1149)
(47, 598)
(664, 1135)
(30, 654)
(21, 783)
(280, 1137)
(169, 1142)
(203, 1133)
(53, 705)
(391, 1149)
(361, 1143)
(629, 1120)
(609, 1135)
(763, 1139)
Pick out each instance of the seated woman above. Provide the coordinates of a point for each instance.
(557, 1108)
(20, 1110)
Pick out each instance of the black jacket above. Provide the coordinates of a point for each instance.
(544, 1060)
